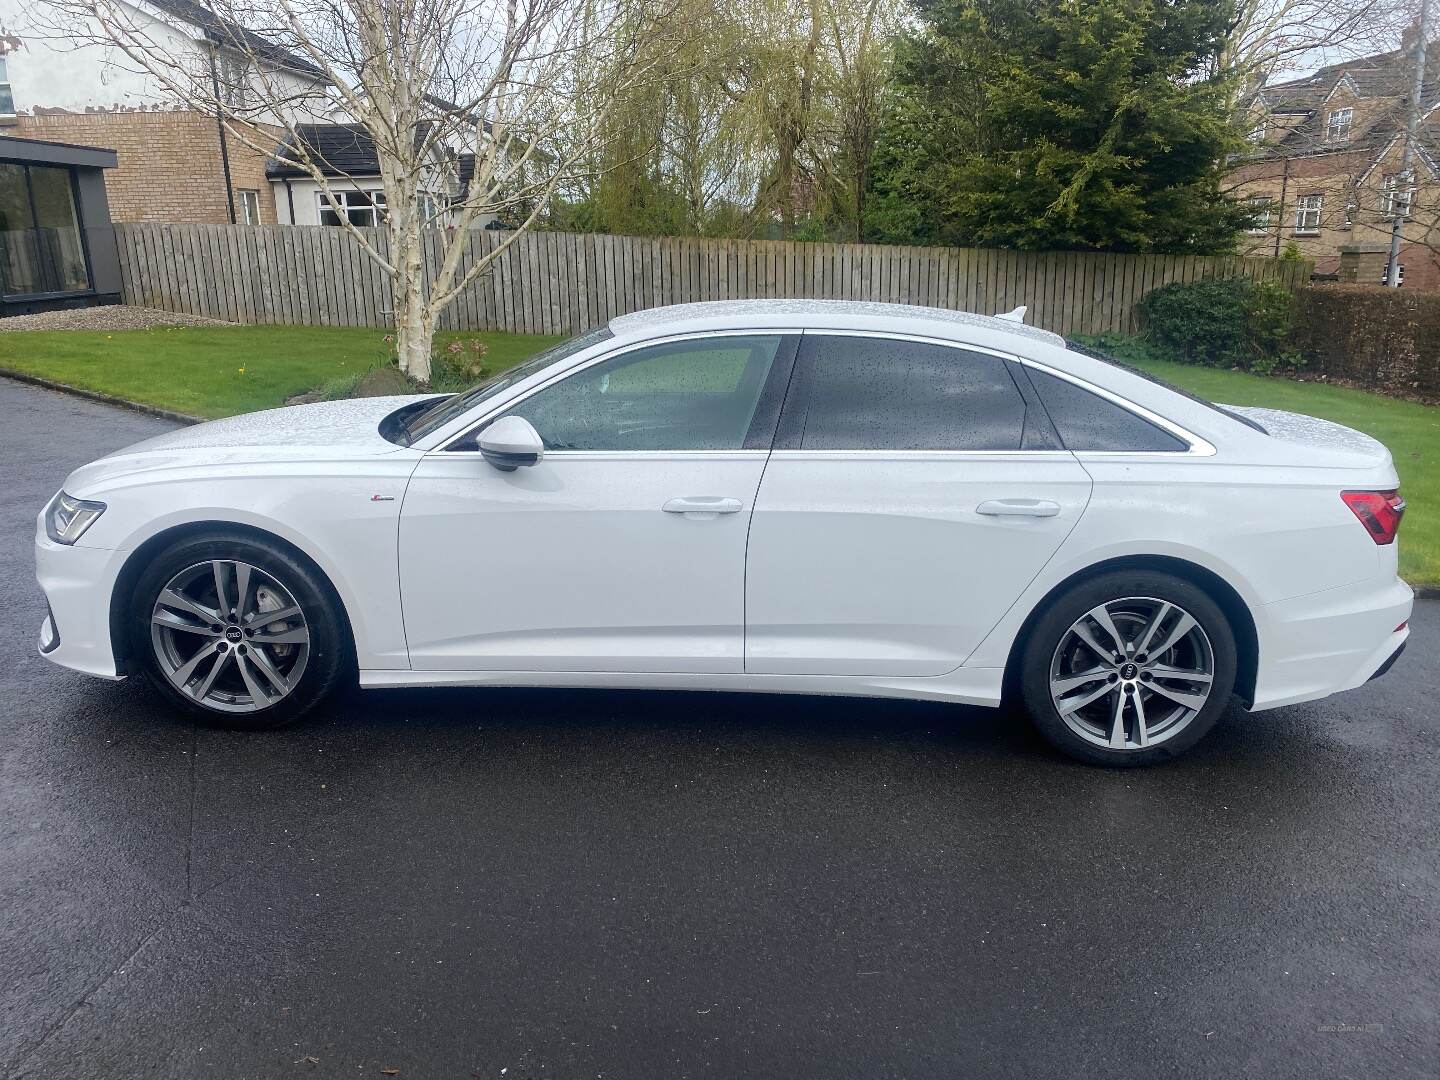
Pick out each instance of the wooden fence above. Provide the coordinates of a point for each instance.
(561, 283)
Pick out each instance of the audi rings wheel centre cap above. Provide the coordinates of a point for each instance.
(1127, 671)
(234, 635)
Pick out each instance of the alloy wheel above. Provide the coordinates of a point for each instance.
(1132, 673)
(230, 636)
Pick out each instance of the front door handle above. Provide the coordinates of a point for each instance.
(1039, 508)
(702, 506)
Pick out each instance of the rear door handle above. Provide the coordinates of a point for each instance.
(702, 506)
(1040, 508)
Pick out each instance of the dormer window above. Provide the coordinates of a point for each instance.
(1338, 124)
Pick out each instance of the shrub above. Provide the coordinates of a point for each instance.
(1222, 322)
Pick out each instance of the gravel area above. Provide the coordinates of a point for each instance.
(109, 317)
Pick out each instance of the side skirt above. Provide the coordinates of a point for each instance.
(964, 686)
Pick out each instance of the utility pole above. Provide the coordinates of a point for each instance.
(1404, 192)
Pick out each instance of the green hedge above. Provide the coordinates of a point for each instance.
(1222, 322)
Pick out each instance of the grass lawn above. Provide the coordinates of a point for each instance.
(217, 371)
(1411, 431)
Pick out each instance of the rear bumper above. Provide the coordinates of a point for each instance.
(1338, 639)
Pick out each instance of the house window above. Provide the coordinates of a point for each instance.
(359, 207)
(247, 206)
(1257, 133)
(1307, 213)
(7, 99)
(1350, 207)
(1397, 193)
(41, 250)
(1338, 123)
(236, 88)
(1260, 207)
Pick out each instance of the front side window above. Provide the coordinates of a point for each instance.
(886, 394)
(39, 232)
(1088, 421)
(700, 394)
(1307, 213)
(361, 208)
(1338, 124)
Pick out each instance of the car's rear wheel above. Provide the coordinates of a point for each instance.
(1129, 668)
(237, 632)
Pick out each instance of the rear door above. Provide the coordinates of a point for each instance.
(915, 489)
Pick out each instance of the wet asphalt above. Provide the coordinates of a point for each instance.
(516, 884)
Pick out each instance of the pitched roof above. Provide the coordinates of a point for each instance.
(338, 150)
(225, 32)
(1382, 77)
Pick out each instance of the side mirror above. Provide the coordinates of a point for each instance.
(511, 442)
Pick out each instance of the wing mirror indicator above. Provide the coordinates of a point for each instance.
(511, 442)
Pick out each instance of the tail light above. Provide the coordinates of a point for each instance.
(1378, 511)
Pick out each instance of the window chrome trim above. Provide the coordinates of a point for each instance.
(918, 455)
(444, 442)
(628, 455)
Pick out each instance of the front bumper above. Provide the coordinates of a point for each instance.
(78, 583)
(1338, 639)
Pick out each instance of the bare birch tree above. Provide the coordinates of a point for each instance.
(513, 82)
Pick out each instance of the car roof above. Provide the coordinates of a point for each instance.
(824, 314)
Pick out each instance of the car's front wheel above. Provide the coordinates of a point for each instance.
(1129, 668)
(236, 631)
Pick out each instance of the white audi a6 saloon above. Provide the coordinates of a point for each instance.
(786, 496)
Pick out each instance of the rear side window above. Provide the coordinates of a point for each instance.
(884, 394)
(1087, 421)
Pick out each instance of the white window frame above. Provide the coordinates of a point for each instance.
(376, 205)
(1394, 197)
(1262, 223)
(1259, 131)
(1338, 123)
(1307, 214)
(247, 206)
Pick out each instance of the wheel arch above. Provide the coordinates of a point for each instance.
(1237, 612)
(139, 558)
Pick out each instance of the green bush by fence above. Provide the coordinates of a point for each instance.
(1222, 322)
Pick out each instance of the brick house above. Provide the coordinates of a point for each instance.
(171, 166)
(1325, 174)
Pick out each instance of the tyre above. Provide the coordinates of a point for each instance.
(238, 632)
(1128, 668)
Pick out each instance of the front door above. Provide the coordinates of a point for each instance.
(914, 492)
(624, 548)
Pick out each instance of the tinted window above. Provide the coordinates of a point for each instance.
(1087, 421)
(685, 395)
(881, 394)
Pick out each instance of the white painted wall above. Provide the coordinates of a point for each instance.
(49, 73)
(306, 195)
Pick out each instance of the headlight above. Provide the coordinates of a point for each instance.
(67, 518)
